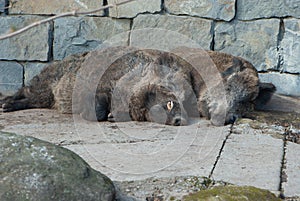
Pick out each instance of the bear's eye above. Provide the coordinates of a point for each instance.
(170, 105)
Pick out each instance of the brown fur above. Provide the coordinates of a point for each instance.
(138, 85)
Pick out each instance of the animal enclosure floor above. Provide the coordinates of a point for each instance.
(148, 160)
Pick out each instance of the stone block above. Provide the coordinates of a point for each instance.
(11, 77)
(75, 35)
(291, 186)
(290, 46)
(131, 9)
(220, 10)
(166, 32)
(30, 45)
(2, 6)
(255, 41)
(53, 6)
(286, 84)
(249, 10)
(31, 70)
(251, 159)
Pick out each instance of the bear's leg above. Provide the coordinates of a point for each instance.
(10, 104)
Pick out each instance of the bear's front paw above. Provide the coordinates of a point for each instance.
(6, 107)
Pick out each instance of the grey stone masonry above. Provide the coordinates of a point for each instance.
(166, 31)
(31, 70)
(290, 46)
(221, 10)
(53, 6)
(286, 84)
(133, 8)
(2, 5)
(11, 77)
(74, 35)
(255, 41)
(249, 10)
(30, 45)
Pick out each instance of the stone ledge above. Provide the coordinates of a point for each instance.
(28, 46)
(2, 5)
(291, 46)
(53, 6)
(166, 32)
(75, 35)
(220, 10)
(248, 10)
(286, 84)
(255, 41)
(131, 9)
(11, 77)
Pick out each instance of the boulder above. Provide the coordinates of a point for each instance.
(32, 169)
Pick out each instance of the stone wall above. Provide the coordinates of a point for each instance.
(267, 33)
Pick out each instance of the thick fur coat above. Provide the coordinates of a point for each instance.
(124, 83)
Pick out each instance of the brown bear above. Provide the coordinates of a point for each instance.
(125, 83)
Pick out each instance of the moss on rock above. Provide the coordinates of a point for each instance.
(232, 193)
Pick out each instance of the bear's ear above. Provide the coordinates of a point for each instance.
(170, 105)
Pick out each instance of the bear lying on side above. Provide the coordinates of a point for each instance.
(125, 83)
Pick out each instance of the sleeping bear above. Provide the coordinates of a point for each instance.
(126, 83)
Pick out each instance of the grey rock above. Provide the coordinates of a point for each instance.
(32, 169)
(2, 5)
(249, 10)
(31, 70)
(251, 159)
(53, 7)
(166, 32)
(75, 35)
(11, 77)
(286, 84)
(131, 9)
(291, 46)
(255, 41)
(292, 170)
(221, 10)
(30, 45)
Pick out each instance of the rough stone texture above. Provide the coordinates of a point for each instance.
(221, 10)
(232, 193)
(131, 9)
(31, 70)
(291, 45)
(251, 159)
(292, 170)
(11, 77)
(32, 169)
(30, 45)
(166, 32)
(2, 5)
(286, 84)
(255, 41)
(75, 35)
(152, 138)
(54, 6)
(119, 151)
(248, 10)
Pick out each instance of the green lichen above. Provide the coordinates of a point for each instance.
(232, 193)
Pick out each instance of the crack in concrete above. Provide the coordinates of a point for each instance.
(283, 175)
(220, 152)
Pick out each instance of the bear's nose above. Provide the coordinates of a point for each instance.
(177, 122)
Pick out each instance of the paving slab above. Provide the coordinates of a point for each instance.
(126, 150)
(252, 159)
(291, 186)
